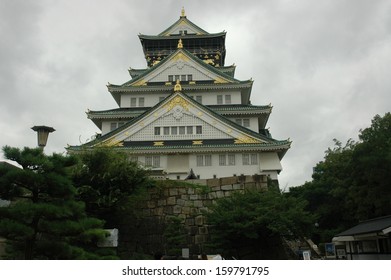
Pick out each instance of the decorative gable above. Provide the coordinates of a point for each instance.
(180, 65)
(180, 118)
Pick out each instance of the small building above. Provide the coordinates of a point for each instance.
(369, 240)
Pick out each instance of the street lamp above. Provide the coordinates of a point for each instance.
(43, 134)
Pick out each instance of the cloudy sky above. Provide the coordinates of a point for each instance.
(324, 65)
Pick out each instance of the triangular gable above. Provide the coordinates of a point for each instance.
(184, 26)
(182, 62)
(176, 110)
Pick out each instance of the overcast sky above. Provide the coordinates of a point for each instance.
(325, 66)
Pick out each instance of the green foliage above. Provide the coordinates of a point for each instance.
(44, 220)
(105, 178)
(248, 221)
(174, 236)
(352, 183)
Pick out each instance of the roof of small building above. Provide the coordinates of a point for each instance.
(368, 226)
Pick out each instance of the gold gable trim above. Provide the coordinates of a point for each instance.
(197, 142)
(140, 83)
(246, 140)
(161, 143)
(178, 100)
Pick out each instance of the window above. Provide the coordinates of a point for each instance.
(157, 130)
(148, 161)
(156, 161)
(133, 102)
(174, 130)
(113, 126)
(250, 159)
(198, 98)
(222, 160)
(176, 77)
(219, 99)
(238, 121)
(246, 159)
(170, 78)
(134, 158)
(141, 102)
(231, 159)
(227, 99)
(198, 129)
(166, 130)
(183, 78)
(189, 129)
(246, 122)
(204, 160)
(182, 130)
(254, 159)
(189, 77)
(208, 160)
(200, 160)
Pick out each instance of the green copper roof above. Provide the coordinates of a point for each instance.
(157, 66)
(183, 20)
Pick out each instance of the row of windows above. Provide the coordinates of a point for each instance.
(205, 160)
(243, 122)
(115, 125)
(226, 100)
(182, 78)
(177, 130)
(227, 159)
(133, 102)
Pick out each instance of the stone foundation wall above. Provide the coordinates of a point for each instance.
(143, 231)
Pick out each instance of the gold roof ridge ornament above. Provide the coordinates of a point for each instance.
(177, 86)
(183, 12)
(180, 45)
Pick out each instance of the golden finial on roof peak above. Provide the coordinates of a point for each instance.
(177, 86)
(183, 12)
(180, 45)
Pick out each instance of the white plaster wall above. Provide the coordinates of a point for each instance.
(253, 122)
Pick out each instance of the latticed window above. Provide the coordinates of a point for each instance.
(148, 160)
(141, 101)
(246, 159)
(219, 99)
(189, 130)
(198, 129)
(200, 160)
(208, 160)
(222, 160)
(228, 99)
(254, 159)
(133, 102)
(231, 159)
(182, 130)
(157, 130)
(166, 130)
(174, 130)
(156, 161)
(113, 126)
(246, 122)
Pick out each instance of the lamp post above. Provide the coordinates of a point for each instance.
(43, 134)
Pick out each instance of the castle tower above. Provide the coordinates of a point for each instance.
(186, 115)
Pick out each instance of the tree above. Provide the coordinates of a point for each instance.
(250, 225)
(44, 221)
(105, 179)
(352, 183)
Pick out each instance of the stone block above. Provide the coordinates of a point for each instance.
(193, 197)
(228, 180)
(180, 202)
(213, 182)
(161, 202)
(168, 210)
(182, 191)
(199, 239)
(226, 187)
(203, 230)
(159, 211)
(199, 220)
(194, 211)
(236, 187)
(177, 209)
(189, 203)
(219, 194)
(193, 230)
(171, 200)
(173, 191)
(186, 210)
(212, 195)
(151, 204)
(190, 191)
(216, 188)
(189, 222)
(198, 203)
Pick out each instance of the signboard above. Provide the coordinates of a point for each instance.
(330, 250)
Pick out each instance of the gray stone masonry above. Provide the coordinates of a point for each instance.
(189, 203)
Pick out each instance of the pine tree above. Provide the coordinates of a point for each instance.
(44, 221)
